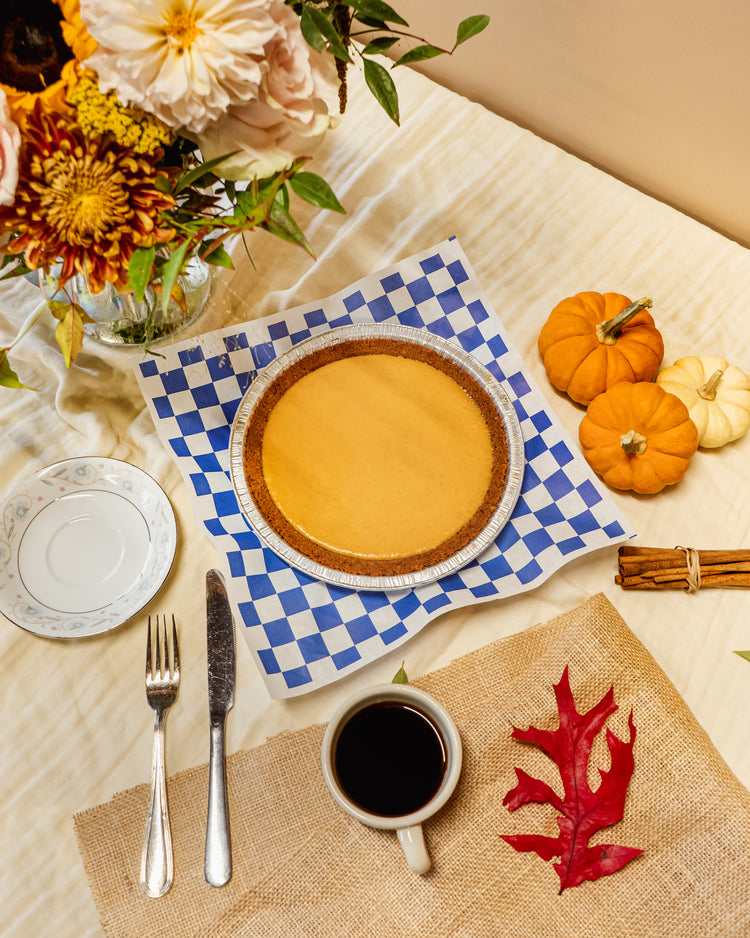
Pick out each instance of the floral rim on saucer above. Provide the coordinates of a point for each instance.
(84, 544)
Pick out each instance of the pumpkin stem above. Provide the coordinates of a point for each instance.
(708, 390)
(608, 331)
(633, 443)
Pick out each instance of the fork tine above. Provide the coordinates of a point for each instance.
(158, 649)
(175, 650)
(148, 649)
(166, 671)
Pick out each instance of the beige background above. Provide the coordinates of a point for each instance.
(653, 92)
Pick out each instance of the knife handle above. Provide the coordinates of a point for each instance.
(217, 868)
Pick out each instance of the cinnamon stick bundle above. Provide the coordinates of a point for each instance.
(682, 568)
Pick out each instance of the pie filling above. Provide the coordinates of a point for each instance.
(376, 456)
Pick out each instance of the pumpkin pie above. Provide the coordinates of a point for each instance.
(376, 456)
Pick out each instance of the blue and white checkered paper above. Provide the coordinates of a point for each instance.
(306, 633)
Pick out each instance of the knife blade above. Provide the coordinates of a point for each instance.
(220, 653)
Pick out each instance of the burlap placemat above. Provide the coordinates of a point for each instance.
(304, 868)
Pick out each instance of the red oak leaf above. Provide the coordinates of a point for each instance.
(583, 811)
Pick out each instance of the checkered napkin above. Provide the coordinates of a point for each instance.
(305, 633)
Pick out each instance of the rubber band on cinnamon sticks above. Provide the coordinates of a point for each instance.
(685, 568)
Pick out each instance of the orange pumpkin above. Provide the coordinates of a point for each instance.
(638, 437)
(594, 340)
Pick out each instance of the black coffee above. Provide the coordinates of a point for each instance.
(390, 758)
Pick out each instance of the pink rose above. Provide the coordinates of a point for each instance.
(10, 142)
(297, 96)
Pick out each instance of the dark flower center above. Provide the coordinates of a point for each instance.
(32, 49)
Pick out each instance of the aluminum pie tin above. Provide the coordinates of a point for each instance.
(448, 350)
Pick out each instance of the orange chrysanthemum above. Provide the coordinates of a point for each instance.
(85, 203)
(42, 42)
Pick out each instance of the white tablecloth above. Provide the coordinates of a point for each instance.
(537, 225)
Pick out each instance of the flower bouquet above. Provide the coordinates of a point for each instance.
(138, 136)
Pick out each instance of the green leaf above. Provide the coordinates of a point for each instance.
(315, 190)
(8, 377)
(743, 654)
(372, 22)
(381, 85)
(419, 54)
(400, 676)
(377, 10)
(282, 197)
(18, 271)
(218, 256)
(471, 26)
(381, 44)
(140, 269)
(170, 272)
(282, 225)
(310, 31)
(197, 172)
(328, 30)
(246, 202)
(256, 202)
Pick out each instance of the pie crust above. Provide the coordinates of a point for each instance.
(342, 484)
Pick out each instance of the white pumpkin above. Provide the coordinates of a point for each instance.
(716, 394)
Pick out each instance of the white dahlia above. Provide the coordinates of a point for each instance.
(296, 103)
(186, 61)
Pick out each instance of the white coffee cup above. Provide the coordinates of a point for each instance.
(361, 705)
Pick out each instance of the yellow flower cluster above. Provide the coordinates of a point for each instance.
(99, 114)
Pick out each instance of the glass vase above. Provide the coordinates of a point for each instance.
(120, 319)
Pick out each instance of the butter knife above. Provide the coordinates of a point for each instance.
(217, 868)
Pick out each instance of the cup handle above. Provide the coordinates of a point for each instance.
(412, 842)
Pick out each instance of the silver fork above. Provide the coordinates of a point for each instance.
(162, 684)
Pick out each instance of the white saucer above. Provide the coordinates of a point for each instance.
(84, 544)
